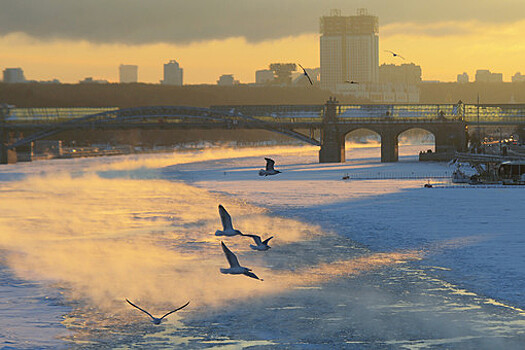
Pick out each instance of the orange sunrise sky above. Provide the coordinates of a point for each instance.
(52, 39)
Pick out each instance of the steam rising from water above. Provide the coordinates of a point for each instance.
(105, 239)
(114, 230)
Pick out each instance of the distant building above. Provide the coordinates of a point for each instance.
(463, 78)
(14, 75)
(90, 80)
(407, 74)
(518, 78)
(172, 74)
(128, 73)
(349, 49)
(486, 76)
(226, 80)
(282, 72)
(264, 76)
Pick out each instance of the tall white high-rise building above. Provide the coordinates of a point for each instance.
(349, 49)
(128, 73)
(172, 74)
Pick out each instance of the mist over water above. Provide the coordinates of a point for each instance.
(102, 230)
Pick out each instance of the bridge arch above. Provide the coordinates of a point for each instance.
(362, 137)
(421, 139)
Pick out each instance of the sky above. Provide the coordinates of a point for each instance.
(70, 40)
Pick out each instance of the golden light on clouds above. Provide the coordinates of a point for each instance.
(442, 49)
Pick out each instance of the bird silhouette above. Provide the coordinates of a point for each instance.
(270, 163)
(235, 268)
(157, 320)
(260, 244)
(395, 54)
(305, 73)
(227, 226)
(351, 82)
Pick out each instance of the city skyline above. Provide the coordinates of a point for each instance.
(468, 40)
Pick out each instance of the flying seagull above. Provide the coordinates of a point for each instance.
(269, 168)
(351, 82)
(156, 320)
(395, 54)
(260, 244)
(235, 267)
(305, 73)
(227, 227)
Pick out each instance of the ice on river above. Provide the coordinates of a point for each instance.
(371, 262)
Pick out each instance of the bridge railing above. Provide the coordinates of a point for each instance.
(495, 113)
(425, 111)
(277, 113)
(471, 113)
(47, 115)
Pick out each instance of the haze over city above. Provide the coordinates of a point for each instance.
(71, 40)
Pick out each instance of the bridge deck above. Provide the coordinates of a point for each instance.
(296, 114)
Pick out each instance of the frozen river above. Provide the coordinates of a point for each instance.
(367, 263)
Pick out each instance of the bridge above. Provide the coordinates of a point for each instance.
(321, 125)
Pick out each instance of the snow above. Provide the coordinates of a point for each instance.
(375, 261)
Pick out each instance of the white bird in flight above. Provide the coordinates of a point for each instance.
(227, 227)
(156, 320)
(305, 73)
(235, 268)
(269, 168)
(260, 244)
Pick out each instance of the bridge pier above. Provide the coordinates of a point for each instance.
(389, 147)
(332, 140)
(333, 146)
(450, 140)
(7, 156)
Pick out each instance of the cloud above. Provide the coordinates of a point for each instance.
(436, 29)
(181, 21)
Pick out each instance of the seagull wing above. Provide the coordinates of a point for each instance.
(310, 80)
(232, 259)
(182, 307)
(252, 275)
(306, 73)
(226, 219)
(265, 242)
(269, 164)
(147, 313)
(256, 239)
